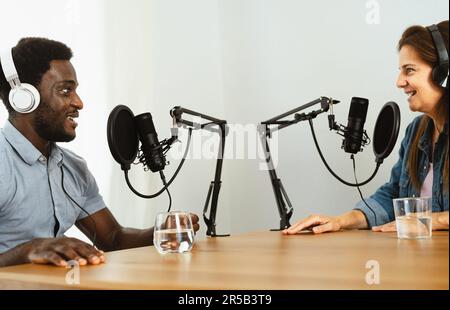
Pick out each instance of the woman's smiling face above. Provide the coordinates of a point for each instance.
(416, 81)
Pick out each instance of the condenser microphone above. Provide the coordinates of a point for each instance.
(152, 151)
(126, 131)
(354, 132)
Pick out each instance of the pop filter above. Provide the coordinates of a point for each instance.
(122, 136)
(386, 131)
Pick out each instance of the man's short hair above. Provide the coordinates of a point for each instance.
(32, 57)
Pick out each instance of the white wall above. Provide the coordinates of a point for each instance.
(81, 25)
(278, 55)
(241, 60)
(164, 54)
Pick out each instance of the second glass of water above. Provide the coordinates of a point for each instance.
(413, 217)
(173, 232)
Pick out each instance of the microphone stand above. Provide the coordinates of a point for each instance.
(214, 187)
(284, 205)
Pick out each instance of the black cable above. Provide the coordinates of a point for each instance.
(170, 181)
(359, 190)
(328, 167)
(73, 200)
(163, 178)
(170, 200)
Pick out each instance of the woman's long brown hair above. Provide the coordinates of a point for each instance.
(420, 39)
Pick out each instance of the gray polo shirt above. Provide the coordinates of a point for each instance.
(32, 201)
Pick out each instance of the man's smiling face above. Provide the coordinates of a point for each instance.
(54, 119)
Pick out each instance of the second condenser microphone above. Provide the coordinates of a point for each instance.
(151, 148)
(353, 136)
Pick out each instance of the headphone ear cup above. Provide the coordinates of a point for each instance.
(25, 98)
(437, 75)
(440, 74)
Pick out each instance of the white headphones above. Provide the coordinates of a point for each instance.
(24, 98)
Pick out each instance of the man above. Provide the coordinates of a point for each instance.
(45, 189)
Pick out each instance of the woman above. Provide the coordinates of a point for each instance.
(422, 169)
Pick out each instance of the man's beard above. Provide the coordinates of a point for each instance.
(48, 126)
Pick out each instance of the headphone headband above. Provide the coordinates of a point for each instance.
(9, 69)
(441, 71)
(439, 44)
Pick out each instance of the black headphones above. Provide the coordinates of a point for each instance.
(440, 71)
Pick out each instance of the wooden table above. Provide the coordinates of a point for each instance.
(261, 260)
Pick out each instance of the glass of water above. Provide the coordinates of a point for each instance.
(173, 232)
(413, 217)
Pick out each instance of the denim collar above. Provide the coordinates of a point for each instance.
(425, 140)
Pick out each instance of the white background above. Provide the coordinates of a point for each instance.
(240, 60)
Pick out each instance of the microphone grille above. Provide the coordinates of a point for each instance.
(358, 108)
(144, 124)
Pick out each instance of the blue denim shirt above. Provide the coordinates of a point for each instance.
(400, 184)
